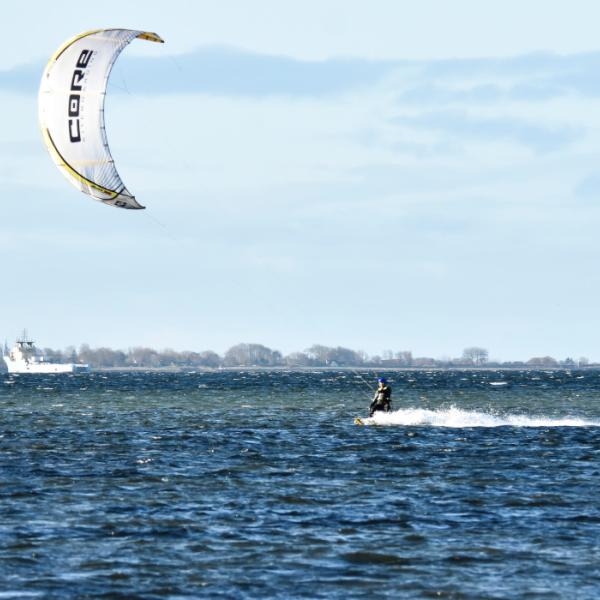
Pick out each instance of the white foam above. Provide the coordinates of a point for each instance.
(456, 417)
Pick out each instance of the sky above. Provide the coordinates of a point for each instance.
(384, 175)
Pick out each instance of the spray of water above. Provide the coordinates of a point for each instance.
(456, 417)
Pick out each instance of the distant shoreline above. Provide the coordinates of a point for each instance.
(176, 369)
(316, 357)
(361, 369)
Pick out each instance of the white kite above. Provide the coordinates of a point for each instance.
(71, 112)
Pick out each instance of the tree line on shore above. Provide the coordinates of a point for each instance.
(257, 355)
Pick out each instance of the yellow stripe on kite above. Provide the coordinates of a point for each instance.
(151, 37)
(143, 35)
(62, 163)
(72, 41)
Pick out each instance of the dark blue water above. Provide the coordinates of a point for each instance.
(259, 485)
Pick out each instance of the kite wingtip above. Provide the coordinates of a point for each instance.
(151, 37)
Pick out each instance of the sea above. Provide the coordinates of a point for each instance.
(258, 484)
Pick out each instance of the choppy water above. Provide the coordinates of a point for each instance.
(259, 485)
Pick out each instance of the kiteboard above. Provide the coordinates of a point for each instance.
(358, 421)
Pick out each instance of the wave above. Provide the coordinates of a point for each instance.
(456, 417)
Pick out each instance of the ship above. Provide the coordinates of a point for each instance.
(25, 357)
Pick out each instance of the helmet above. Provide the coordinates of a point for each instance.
(382, 380)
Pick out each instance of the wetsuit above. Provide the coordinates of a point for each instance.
(382, 400)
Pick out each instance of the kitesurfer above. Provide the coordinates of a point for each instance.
(382, 400)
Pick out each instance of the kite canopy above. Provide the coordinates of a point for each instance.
(71, 112)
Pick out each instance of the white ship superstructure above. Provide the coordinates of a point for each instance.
(26, 358)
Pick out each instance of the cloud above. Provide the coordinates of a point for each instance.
(539, 138)
(223, 71)
(534, 77)
(234, 72)
(589, 188)
(24, 79)
(430, 93)
(226, 71)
